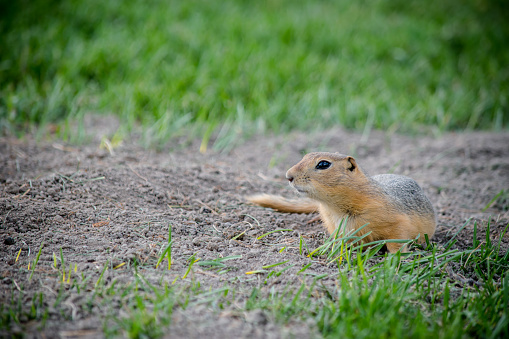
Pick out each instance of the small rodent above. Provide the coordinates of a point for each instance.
(393, 206)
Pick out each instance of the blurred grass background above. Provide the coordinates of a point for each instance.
(233, 68)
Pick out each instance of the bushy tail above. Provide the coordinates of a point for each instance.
(284, 205)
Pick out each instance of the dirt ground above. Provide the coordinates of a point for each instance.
(98, 206)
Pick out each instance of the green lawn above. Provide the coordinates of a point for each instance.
(240, 67)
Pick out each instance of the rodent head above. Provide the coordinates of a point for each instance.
(323, 176)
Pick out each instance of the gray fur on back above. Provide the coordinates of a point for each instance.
(405, 192)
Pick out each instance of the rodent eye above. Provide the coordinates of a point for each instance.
(323, 164)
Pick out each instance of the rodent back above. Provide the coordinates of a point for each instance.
(405, 193)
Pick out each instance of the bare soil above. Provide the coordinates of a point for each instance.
(100, 207)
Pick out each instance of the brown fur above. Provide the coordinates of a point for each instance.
(394, 207)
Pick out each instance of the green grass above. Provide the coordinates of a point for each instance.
(230, 68)
(420, 294)
(403, 296)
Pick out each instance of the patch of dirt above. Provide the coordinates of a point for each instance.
(93, 207)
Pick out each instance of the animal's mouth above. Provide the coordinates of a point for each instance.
(299, 189)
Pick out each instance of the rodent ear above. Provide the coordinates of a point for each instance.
(351, 165)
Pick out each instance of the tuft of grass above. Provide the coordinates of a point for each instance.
(192, 260)
(218, 262)
(489, 262)
(232, 68)
(167, 250)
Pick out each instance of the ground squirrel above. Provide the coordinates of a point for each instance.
(393, 206)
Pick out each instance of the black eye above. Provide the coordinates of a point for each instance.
(323, 165)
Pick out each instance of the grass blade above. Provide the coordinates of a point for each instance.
(36, 261)
(279, 230)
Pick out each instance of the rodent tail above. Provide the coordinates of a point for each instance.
(284, 205)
